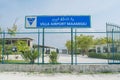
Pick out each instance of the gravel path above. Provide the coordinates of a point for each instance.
(58, 76)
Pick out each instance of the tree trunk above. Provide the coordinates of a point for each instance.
(7, 57)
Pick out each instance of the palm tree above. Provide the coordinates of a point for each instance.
(12, 31)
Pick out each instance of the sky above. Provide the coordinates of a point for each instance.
(101, 11)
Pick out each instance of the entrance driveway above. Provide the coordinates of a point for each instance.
(66, 58)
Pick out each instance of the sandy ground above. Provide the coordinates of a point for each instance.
(58, 76)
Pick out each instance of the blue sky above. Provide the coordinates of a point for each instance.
(101, 11)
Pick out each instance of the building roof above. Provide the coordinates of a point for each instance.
(19, 38)
(44, 46)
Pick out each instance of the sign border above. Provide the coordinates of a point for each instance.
(54, 27)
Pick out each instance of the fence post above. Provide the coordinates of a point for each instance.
(72, 46)
(38, 46)
(43, 46)
(75, 49)
(113, 44)
(3, 46)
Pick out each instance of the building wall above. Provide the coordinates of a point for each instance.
(102, 48)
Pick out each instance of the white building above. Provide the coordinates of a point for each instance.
(104, 48)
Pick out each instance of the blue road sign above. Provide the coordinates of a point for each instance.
(57, 21)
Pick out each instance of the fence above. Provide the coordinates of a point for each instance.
(46, 41)
(113, 35)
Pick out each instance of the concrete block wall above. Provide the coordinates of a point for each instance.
(59, 68)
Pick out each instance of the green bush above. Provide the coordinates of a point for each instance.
(100, 55)
(0, 52)
(105, 55)
(8, 50)
(30, 55)
(53, 57)
(116, 56)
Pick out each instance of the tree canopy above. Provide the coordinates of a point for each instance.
(99, 41)
(13, 30)
(22, 46)
(68, 45)
(83, 42)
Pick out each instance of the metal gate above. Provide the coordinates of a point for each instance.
(113, 43)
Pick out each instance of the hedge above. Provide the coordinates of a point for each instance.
(105, 55)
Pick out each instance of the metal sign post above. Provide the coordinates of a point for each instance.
(43, 49)
(75, 48)
(72, 46)
(38, 46)
(3, 47)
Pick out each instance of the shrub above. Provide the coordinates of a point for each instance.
(30, 55)
(105, 56)
(0, 52)
(100, 55)
(8, 50)
(116, 56)
(53, 57)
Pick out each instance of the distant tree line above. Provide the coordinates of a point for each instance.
(84, 42)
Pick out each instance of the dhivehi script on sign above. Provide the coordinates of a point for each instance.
(59, 21)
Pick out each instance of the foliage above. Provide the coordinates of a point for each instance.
(103, 40)
(100, 55)
(99, 41)
(105, 56)
(30, 55)
(68, 45)
(13, 30)
(0, 51)
(84, 42)
(78, 51)
(26, 53)
(0, 43)
(116, 56)
(0, 30)
(14, 61)
(22, 46)
(53, 57)
(8, 50)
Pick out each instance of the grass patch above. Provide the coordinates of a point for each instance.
(106, 72)
(15, 61)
